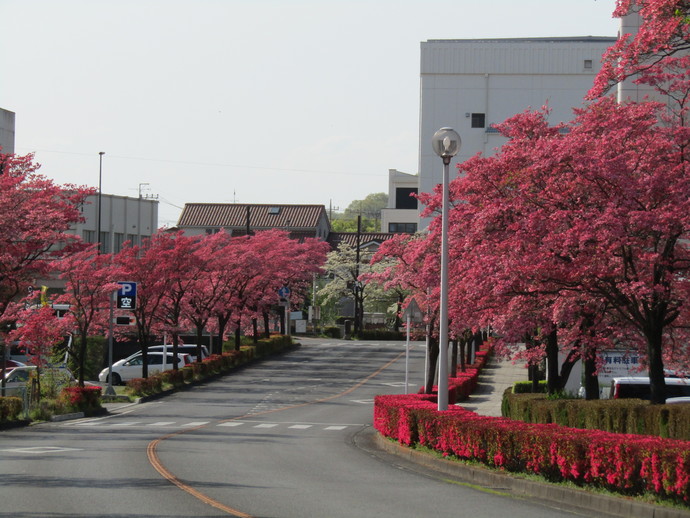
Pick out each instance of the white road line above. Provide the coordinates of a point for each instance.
(231, 424)
(161, 423)
(196, 423)
(128, 423)
(335, 427)
(266, 425)
(300, 426)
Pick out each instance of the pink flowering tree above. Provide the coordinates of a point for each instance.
(35, 215)
(38, 332)
(90, 279)
(595, 216)
(657, 54)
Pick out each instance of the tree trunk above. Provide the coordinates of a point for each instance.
(199, 339)
(255, 330)
(267, 325)
(463, 345)
(591, 379)
(431, 367)
(657, 383)
(553, 377)
(453, 358)
(567, 368)
(238, 333)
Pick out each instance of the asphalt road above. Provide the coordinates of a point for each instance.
(287, 437)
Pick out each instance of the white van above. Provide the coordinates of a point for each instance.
(132, 367)
(638, 387)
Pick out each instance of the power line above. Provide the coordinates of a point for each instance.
(207, 164)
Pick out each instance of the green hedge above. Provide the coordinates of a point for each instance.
(332, 332)
(633, 416)
(211, 366)
(525, 387)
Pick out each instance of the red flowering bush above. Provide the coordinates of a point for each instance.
(80, 399)
(629, 464)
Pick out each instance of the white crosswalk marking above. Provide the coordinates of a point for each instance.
(300, 426)
(266, 425)
(231, 424)
(335, 427)
(127, 423)
(196, 423)
(162, 423)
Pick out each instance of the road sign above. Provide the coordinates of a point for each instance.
(413, 312)
(284, 292)
(127, 295)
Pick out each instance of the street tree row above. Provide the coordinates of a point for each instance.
(574, 238)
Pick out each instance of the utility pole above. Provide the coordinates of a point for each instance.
(358, 290)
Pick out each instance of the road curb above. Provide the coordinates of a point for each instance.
(572, 498)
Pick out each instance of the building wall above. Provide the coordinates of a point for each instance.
(6, 132)
(497, 78)
(393, 214)
(122, 219)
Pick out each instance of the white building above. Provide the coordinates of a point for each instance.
(401, 214)
(6, 132)
(122, 219)
(469, 85)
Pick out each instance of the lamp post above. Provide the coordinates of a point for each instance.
(446, 143)
(100, 178)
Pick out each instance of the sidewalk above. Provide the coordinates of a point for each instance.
(494, 379)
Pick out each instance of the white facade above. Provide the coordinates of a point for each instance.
(469, 85)
(401, 214)
(6, 132)
(122, 219)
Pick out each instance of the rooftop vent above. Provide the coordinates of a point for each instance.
(274, 210)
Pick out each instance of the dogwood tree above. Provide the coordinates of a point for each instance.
(599, 210)
(35, 215)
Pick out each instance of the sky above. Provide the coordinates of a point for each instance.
(245, 101)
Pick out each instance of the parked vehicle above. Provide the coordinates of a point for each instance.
(638, 387)
(11, 364)
(132, 367)
(18, 380)
(189, 349)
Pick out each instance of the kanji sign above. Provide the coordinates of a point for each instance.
(127, 295)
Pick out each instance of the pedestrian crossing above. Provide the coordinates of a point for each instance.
(115, 424)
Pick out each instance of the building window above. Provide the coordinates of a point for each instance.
(403, 200)
(105, 242)
(211, 231)
(89, 236)
(402, 228)
(119, 239)
(133, 239)
(478, 120)
(588, 64)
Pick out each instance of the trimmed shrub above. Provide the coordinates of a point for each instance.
(81, 399)
(10, 408)
(332, 332)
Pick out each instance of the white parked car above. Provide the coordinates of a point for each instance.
(132, 367)
(17, 380)
(189, 349)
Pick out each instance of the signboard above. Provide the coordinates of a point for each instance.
(413, 312)
(284, 292)
(127, 295)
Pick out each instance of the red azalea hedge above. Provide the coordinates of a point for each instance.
(81, 399)
(629, 464)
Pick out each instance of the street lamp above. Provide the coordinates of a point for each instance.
(100, 178)
(446, 143)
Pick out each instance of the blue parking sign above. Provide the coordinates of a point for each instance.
(127, 295)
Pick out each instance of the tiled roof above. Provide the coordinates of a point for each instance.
(234, 215)
(335, 238)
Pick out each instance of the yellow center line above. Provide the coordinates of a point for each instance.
(154, 459)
